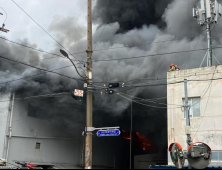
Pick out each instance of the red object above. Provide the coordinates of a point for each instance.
(30, 166)
(200, 143)
(141, 144)
(170, 148)
(171, 65)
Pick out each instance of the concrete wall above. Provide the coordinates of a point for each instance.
(208, 126)
(56, 146)
(4, 114)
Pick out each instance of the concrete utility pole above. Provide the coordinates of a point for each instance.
(89, 109)
(187, 112)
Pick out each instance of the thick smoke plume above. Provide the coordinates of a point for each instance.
(151, 26)
(130, 14)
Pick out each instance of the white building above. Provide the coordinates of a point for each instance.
(205, 97)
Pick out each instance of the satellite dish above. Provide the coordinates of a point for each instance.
(199, 155)
(177, 155)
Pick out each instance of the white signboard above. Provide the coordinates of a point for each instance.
(79, 93)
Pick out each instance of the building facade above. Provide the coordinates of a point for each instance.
(205, 99)
(34, 140)
(39, 137)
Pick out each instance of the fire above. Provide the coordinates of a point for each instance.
(141, 144)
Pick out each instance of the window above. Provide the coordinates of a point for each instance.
(217, 156)
(38, 145)
(195, 107)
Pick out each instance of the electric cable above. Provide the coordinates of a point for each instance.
(5, 14)
(153, 99)
(24, 78)
(44, 30)
(145, 104)
(105, 26)
(204, 112)
(150, 100)
(79, 80)
(152, 55)
(57, 55)
(77, 69)
(185, 75)
(133, 46)
(208, 86)
(46, 95)
(157, 78)
(35, 49)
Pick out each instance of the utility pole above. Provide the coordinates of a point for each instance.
(187, 112)
(209, 39)
(10, 125)
(89, 109)
(131, 131)
(208, 13)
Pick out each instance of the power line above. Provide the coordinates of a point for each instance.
(130, 58)
(46, 95)
(24, 78)
(113, 48)
(44, 29)
(42, 51)
(79, 80)
(5, 14)
(151, 100)
(105, 26)
(145, 104)
(102, 50)
(57, 55)
(210, 86)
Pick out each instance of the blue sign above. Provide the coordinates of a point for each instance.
(103, 133)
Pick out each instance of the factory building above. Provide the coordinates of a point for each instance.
(30, 134)
(205, 99)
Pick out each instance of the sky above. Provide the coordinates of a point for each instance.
(22, 27)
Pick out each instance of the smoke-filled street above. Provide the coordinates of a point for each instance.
(100, 83)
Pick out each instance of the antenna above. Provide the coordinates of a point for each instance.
(209, 13)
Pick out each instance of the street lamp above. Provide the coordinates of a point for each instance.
(65, 54)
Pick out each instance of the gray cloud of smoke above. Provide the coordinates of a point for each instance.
(127, 29)
(177, 29)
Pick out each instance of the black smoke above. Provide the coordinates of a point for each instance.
(139, 23)
(130, 14)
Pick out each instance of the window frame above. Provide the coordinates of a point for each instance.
(218, 157)
(38, 146)
(191, 109)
